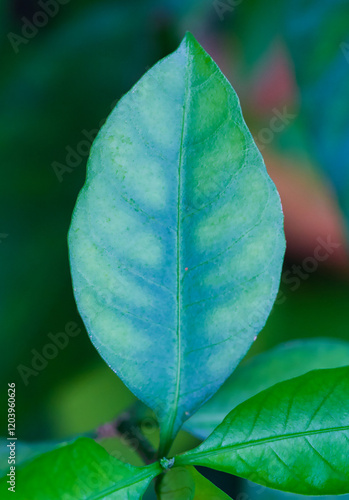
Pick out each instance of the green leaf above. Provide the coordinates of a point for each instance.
(256, 491)
(24, 451)
(27, 451)
(321, 69)
(293, 436)
(122, 448)
(81, 470)
(186, 483)
(176, 243)
(285, 361)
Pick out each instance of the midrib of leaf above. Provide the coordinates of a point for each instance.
(150, 472)
(192, 456)
(165, 445)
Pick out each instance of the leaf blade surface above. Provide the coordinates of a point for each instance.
(293, 436)
(79, 471)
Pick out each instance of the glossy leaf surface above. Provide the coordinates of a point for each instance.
(176, 242)
(187, 483)
(285, 361)
(292, 437)
(82, 470)
(256, 491)
(25, 451)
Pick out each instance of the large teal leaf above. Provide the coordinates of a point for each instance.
(176, 242)
(293, 437)
(81, 470)
(285, 361)
(185, 483)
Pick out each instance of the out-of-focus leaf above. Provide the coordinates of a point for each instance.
(185, 483)
(177, 241)
(293, 436)
(81, 470)
(258, 492)
(322, 70)
(285, 361)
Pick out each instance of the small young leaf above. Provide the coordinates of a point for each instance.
(185, 483)
(79, 471)
(176, 243)
(283, 362)
(293, 436)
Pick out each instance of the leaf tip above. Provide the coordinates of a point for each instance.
(189, 40)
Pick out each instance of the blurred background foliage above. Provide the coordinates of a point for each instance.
(61, 74)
